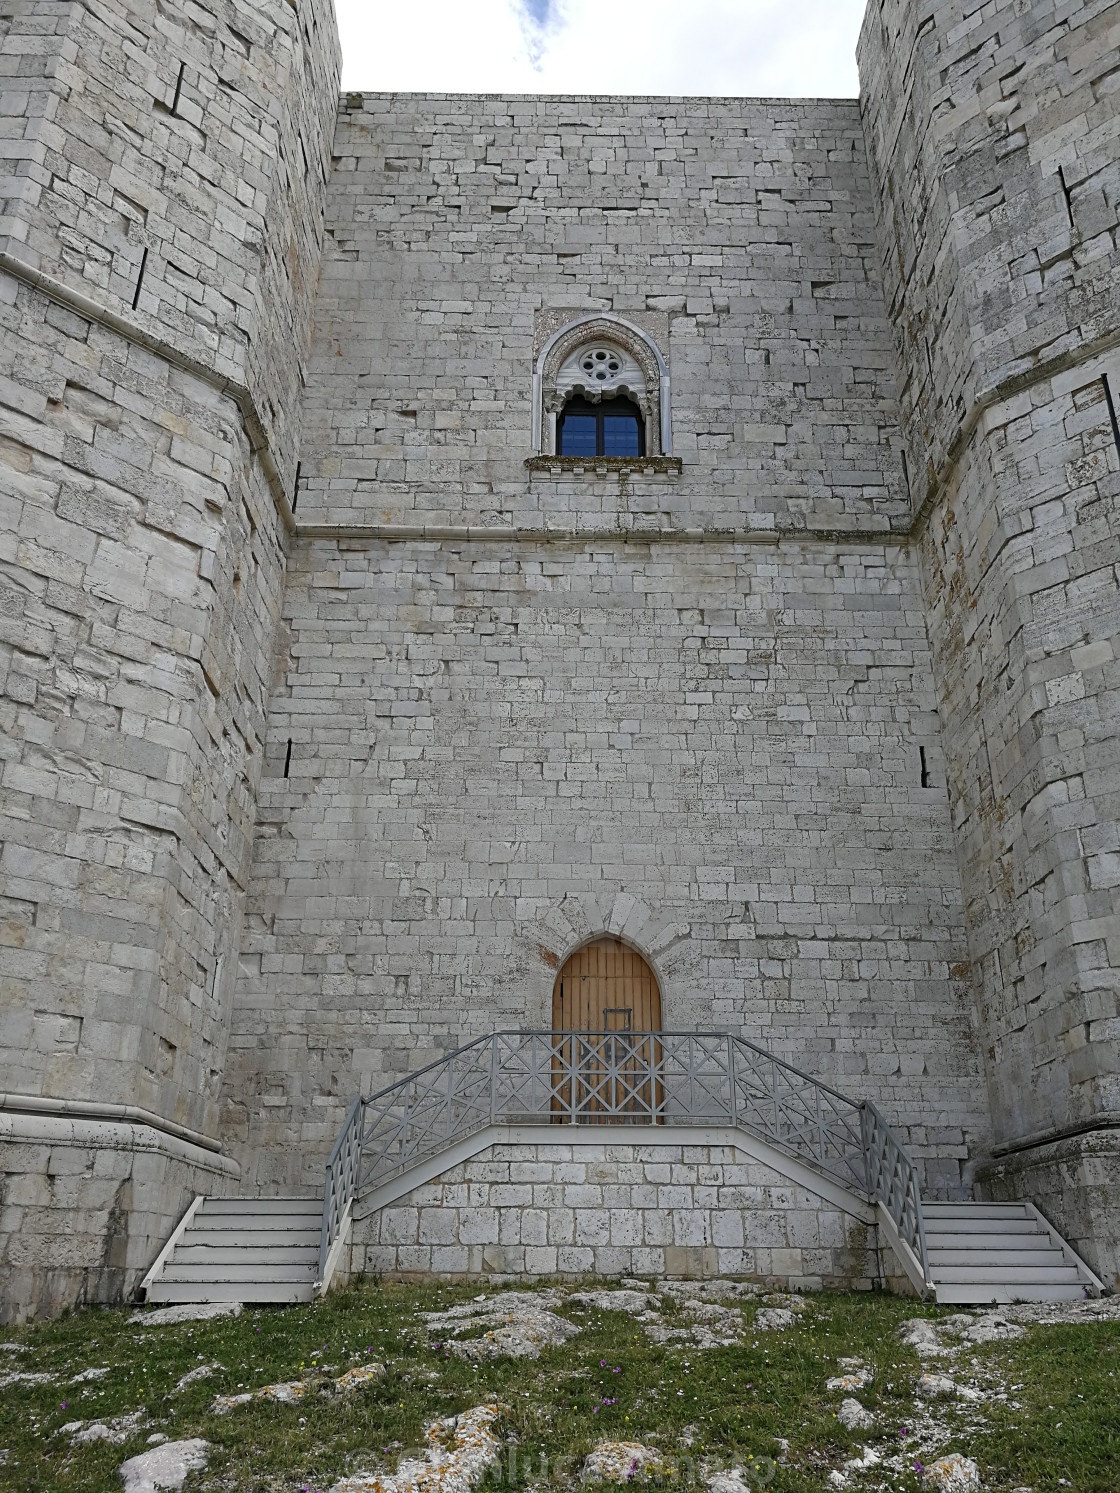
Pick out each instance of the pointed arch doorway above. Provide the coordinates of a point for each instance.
(606, 1014)
(606, 986)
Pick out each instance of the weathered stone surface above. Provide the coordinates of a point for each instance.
(819, 711)
(554, 1209)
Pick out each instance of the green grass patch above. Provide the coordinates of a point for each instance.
(1058, 1418)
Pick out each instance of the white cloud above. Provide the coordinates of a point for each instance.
(781, 48)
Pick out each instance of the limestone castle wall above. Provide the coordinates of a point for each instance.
(142, 544)
(498, 750)
(992, 136)
(739, 234)
(482, 751)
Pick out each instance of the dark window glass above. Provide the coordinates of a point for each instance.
(620, 435)
(578, 436)
(613, 428)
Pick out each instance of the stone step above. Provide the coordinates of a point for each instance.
(170, 1293)
(968, 1240)
(977, 1210)
(1011, 1275)
(960, 1223)
(256, 1237)
(191, 1252)
(991, 1261)
(230, 1271)
(962, 1293)
(246, 1207)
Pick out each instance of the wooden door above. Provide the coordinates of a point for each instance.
(608, 995)
(606, 987)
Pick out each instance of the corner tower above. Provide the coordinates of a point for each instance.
(160, 233)
(991, 133)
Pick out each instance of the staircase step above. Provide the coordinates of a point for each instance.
(994, 1261)
(168, 1293)
(286, 1207)
(984, 1227)
(192, 1252)
(962, 1240)
(977, 1210)
(255, 1238)
(228, 1273)
(961, 1293)
(1012, 1275)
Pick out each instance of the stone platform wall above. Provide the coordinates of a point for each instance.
(88, 1205)
(619, 1209)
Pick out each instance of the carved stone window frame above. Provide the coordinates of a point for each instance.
(602, 326)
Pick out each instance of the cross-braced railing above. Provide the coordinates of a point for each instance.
(341, 1184)
(892, 1179)
(625, 1078)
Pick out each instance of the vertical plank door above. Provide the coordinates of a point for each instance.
(607, 991)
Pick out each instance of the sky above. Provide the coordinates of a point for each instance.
(782, 48)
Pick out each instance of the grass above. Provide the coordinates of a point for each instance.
(1060, 1418)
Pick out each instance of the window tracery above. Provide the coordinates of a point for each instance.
(599, 358)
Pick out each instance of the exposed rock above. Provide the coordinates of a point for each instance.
(203, 1371)
(622, 1462)
(953, 1474)
(993, 1328)
(188, 1311)
(164, 1469)
(933, 1386)
(613, 1301)
(28, 1378)
(793, 1303)
(854, 1417)
(773, 1319)
(117, 1431)
(730, 1481)
(520, 1325)
(461, 1449)
(362, 1373)
(851, 1381)
(922, 1335)
(88, 1375)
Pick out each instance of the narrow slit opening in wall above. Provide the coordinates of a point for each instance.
(295, 487)
(140, 279)
(178, 88)
(1108, 399)
(1066, 195)
(925, 767)
(288, 757)
(906, 472)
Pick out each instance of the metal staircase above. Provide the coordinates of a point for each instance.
(647, 1087)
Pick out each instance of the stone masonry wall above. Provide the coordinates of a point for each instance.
(141, 547)
(740, 235)
(1001, 182)
(171, 161)
(992, 135)
(618, 1209)
(498, 750)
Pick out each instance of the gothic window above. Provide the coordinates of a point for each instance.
(601, 390)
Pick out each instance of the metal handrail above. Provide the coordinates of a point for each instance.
(620, 1078)
(893, 1181)
(341, 1184)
